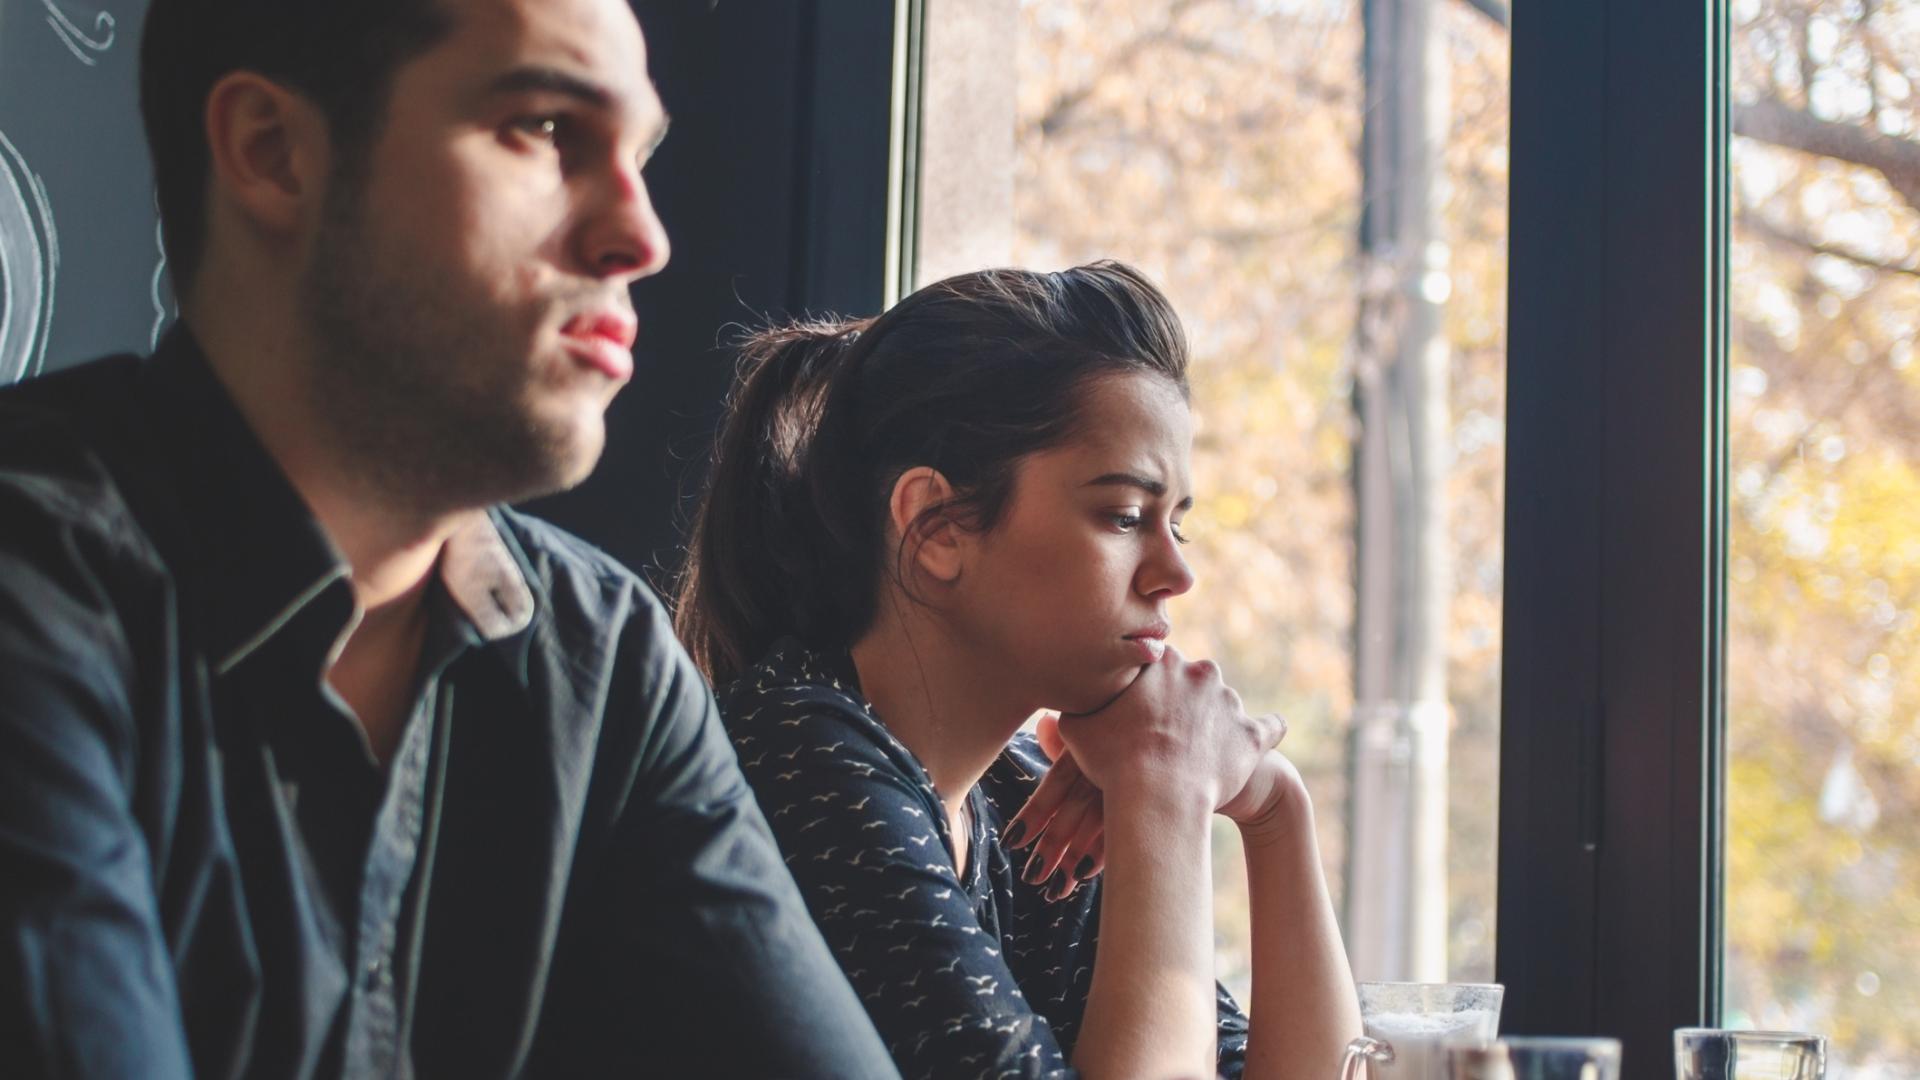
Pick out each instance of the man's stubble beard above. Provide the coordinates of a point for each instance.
(424, 390)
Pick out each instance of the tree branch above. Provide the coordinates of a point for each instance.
(1774, 121)
(1060, 111)
(1496, 10)
(1767, 230)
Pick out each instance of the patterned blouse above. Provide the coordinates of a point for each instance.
(982, 977)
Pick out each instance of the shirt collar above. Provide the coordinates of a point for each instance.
(485, 581)
(251, 527)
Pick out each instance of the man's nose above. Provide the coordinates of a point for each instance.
(624, 237)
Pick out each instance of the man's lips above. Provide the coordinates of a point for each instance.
(603, 340)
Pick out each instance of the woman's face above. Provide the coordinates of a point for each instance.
(1067, 594)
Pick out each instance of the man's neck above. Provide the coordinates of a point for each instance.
(378, 668)
(390, 541)
(391, 544)
(392, 556)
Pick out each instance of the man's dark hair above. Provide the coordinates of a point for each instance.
(340, 54)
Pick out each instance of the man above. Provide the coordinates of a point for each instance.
(314, 760)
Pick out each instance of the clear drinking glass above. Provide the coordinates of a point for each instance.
(1529, 1057)
(1409, 1026)
(1714, 1054)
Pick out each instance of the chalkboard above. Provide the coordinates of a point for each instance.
(82, 272)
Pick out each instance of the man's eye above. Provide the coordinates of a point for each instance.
(544, 128)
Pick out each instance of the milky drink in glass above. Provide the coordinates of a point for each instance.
(1410, 1025)
(1419, 1040)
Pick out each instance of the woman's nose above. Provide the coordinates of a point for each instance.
(1166, 572)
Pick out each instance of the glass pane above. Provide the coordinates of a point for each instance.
(1346, 312)
(1823, 860)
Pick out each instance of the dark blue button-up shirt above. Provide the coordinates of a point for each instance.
(205, 871)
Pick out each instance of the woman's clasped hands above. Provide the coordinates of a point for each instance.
(1178, 730)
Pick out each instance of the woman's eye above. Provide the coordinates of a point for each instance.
(1180, 535)
(1126, 521)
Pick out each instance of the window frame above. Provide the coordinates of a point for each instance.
(1610, 886)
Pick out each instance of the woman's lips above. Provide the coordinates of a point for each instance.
(1148, 650)
(1150, 644)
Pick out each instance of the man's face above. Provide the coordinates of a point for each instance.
(467, 288)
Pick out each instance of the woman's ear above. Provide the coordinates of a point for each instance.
(930, 540)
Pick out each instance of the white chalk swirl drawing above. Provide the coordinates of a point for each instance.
(160, 288)
(29, 266)
(76, 39)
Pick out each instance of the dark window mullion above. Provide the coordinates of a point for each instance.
(1614, 540)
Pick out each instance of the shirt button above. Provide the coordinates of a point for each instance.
(376, 970)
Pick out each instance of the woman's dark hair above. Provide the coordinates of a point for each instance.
(966, 376)
(342, 54)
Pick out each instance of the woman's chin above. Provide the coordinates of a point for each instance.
(1098, 696)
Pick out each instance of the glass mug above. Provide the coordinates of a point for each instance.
(1409, 1026)
(1717, 1054)
(1529, 1057)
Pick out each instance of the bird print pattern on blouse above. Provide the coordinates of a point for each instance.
(976, 978)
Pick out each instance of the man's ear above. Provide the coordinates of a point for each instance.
(268, 151)
(930, 540)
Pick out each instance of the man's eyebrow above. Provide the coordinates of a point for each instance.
(524, 80)
(1148, 484)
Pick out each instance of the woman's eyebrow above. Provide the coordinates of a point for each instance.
(1155, 488)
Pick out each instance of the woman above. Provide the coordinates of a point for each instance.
(924, 527)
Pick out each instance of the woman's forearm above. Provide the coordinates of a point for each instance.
(1150, 1012)
(1304, 1006)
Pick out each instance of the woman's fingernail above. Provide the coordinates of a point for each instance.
(1084, 868)
(1015, 835)
(1031, 875)
(1059, 887)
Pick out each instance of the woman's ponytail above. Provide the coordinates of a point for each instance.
(761, 552)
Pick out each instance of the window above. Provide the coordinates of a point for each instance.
(1707, 625)
(1823, 693)
(1345, 300)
